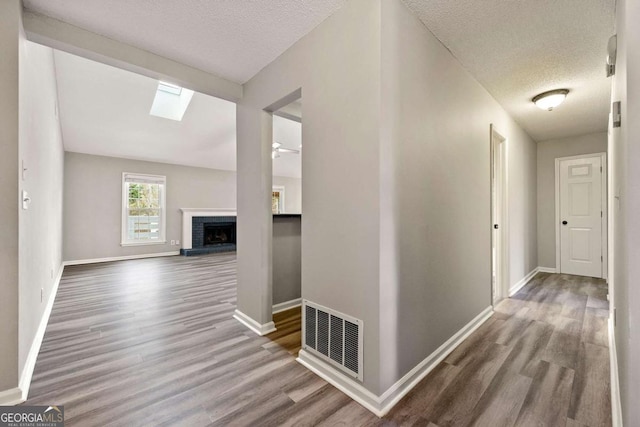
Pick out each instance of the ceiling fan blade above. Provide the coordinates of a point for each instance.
(287, 150)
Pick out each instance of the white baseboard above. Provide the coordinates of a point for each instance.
(381, 405)
(616, 401)
(119, 258)
(352, 388)
(11, 397)
(287, 305)
(515, 288)
(30, 363)
(547, 270)
(256, 327)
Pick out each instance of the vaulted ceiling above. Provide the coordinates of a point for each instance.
(515, 49)
(105, 111)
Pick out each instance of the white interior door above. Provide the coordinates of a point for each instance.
(581, 216)
(498, 216)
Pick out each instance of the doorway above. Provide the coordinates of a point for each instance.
(581, 215)
(286, 155)
(499, 224)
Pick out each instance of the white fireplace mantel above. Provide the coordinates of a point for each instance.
(187, 217)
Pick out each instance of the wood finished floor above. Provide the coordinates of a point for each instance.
(152, 342)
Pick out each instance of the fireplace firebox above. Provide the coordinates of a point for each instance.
(219, 233)
(211, 234)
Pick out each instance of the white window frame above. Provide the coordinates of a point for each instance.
(279, 189)
(160, 179)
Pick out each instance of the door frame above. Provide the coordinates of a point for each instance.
(499, 215)
(604, 207)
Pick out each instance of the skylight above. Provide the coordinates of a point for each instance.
(171, 101)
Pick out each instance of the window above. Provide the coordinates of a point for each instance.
(277, 200)
(143, 209)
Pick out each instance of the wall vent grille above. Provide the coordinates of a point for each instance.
(334, 337)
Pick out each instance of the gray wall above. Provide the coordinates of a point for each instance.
(624, 208)
(286, 259)
(42, 152)
(337, 66)
(93, 202)
(292, 193)
(395, 176)
(10, 22)
(548, 151)
(435, 244)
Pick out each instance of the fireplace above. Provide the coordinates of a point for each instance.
(211, 234)
(219, 233)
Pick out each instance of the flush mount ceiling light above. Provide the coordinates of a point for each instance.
(550, 100)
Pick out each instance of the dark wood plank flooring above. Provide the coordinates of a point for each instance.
(152, 342)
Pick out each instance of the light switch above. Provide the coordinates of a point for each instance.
(26, 200)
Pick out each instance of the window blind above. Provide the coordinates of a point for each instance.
(144, 179)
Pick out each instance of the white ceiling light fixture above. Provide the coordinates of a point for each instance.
(551, 99)
(171, 101)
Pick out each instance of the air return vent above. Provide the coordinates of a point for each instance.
(333, 337)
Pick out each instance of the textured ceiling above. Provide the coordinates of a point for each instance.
(105, 111)
(233, 39)
(517, 49)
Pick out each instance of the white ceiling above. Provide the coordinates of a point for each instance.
(233, 39)
(517, 49)
(105, 111)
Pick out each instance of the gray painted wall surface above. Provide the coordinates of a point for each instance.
(42, 152)
(409, 185)
(10, 21)
(337, 65)
(435, 194)
(286, 259)
(93, 202)
(548, 151)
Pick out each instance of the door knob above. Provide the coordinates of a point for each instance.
(564, 222)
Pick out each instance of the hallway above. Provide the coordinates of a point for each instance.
(152, 342)
(542, 359)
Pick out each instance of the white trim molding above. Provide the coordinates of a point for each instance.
(119, 258)
(381, 405)
(616, 401)
(287, 305)
(30, 363)
(256, 327)
(526, 279)
(515, 288)
(499, 147)
(187, 221)
(11, 397)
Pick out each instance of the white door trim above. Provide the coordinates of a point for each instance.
(503, 219)
(603, 162)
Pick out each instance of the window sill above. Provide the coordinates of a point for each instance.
(163, 242)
